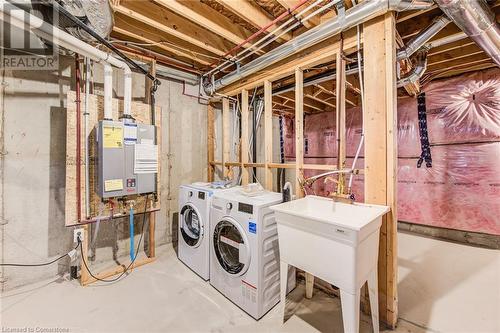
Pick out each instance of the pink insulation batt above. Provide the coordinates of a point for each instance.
(462, 189)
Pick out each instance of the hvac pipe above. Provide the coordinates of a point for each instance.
(417, 71)
(477, 21)
(21, 19)
(354, 16)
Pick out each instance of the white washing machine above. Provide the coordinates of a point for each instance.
(244, 255)
(194, 226)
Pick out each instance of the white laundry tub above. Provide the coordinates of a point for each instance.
(336, 242)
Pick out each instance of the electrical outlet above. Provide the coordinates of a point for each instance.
(77, 233)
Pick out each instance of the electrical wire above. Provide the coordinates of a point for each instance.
(42, 264)
(131, 262)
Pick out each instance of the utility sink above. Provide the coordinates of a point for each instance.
(337, 242)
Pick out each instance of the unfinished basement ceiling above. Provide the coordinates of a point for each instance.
(200, 34)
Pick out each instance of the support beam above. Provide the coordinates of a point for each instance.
(268, 134)
(253, 15)
(244, 137)
(379, 53)
(226, 146)
(210, 19)
(340, 117)
(210, 142)
(166, 29)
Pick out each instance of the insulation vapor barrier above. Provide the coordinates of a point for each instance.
(462, 188)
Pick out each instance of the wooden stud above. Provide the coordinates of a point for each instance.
(340, 117)
(210, 141)
(268, 134)
(226, 146)
(244, 136)
(152, 240)
(299, 129)
(149, 83)
(118, 270)
(381, 150)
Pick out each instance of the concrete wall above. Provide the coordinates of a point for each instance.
(33, 182)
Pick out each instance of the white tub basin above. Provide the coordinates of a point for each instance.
(335, 241)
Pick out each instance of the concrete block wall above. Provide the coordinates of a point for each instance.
(33, 168)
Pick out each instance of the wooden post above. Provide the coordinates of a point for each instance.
(268, 134)
(210, 142)
(152, 241)
(380, 116)
(84, 273)
(299, 152)
(226, 147)
(340, 86)
(244, 137)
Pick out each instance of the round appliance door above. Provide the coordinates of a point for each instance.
(191, 225)
(231, 246)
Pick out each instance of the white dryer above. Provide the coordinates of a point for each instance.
(244, 255)
(194, 226)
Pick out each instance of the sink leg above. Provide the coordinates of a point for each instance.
(373, 293)
(350, 311)
(309, 285)
(283, 285)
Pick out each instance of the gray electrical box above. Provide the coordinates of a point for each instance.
(127, 159)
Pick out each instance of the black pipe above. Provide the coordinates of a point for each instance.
(91, 32)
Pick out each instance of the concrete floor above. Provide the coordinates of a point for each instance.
(443, 287)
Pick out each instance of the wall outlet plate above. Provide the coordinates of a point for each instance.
(77, 232)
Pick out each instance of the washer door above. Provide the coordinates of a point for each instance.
(231, 246)
(191, 225)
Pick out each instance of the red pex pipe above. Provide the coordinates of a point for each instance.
(263, 29)
(78, 141)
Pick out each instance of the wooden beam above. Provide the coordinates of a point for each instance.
(340, 118)
(210, 19)
(226, 146)
(253, 15)
(210, 141)
(312, 22)
(162, 46)
(244, 136)
(381, 150)
(268, 134)
(166, 29)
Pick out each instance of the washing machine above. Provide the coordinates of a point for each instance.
(244, 254)
(194, 225)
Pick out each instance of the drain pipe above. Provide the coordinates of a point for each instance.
(477, 21)
(22, 19)
(353, 16)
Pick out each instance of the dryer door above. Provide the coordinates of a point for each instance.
(191, 225)
(231, 247)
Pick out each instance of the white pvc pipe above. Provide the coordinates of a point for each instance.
(108, 92)
(23, 19)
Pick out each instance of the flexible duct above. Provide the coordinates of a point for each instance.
(354, 16)
(477, 21)
(15, 16)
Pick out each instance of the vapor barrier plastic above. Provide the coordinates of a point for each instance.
(462, 189)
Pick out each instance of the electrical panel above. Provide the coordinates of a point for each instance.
(127, 159)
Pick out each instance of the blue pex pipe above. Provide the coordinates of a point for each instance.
(131, 222)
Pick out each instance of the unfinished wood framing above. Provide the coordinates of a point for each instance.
(210, 142)
(268, 135)
(226, 146)
(244, 137)
(299, 129)
(340, 116)
(381, 151)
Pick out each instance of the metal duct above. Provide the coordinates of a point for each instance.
(418, 70)
(354, 16)
(418, 41)
(477, 21)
